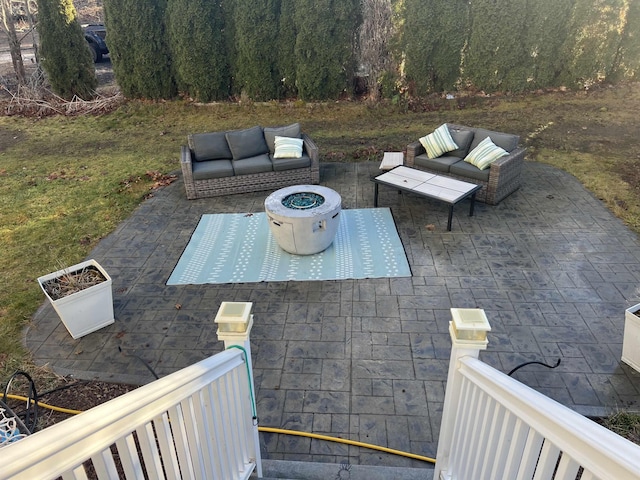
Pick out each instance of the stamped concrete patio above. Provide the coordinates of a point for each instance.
(367, 359)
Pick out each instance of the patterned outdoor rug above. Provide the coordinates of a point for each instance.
(239, 248)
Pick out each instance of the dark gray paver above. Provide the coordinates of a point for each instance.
(367, 359)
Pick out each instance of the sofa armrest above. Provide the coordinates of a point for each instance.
(508, 163)
(187, 171)
(312, 150)
(504, 176)
(413, 150)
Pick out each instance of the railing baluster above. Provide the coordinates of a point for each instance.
(149, 449)
(494, 424)
(179, 435)
(104, 465)
(567, 469)
(128, 455)
(530, 455)
(167, 447)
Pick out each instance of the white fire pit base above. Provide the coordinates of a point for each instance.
(303, 218)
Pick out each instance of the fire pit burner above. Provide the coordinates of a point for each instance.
(303, 200)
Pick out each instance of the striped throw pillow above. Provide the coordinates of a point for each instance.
(287, 147)
(485, 154)
(438, 142)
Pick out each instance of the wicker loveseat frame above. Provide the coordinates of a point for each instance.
(249, 182)
(504, 175)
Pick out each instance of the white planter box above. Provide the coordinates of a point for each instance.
(631, 339)
(85, 311)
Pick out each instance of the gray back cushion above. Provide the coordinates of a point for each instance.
(247, 143)
(463, 140)
(209, 146)
(270, 133)
(504, 140)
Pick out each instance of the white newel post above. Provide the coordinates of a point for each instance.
(468, 329)
(234, 321)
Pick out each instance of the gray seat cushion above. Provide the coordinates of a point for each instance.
(247, 143)
(504, 140)
(209, 146)
(280, 164)
(212, 169)
(439, 164)
(256, 164)
(270, 133)
(465, 169)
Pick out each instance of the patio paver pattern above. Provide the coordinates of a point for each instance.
(367, 359)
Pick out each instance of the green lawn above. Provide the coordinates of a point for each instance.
(66, 182)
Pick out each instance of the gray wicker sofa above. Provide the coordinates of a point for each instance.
(503, 176)
(239, 161)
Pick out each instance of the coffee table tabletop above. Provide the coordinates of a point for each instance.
(438, 187)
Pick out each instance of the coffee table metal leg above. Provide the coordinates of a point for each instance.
(473, 202)
(450, 218)
(375, 195)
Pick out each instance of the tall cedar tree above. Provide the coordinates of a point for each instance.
(256, 36)
(595, 34)
(286, 44)
(627, 61)
(546, 36)
(435, 33)
(196, 40)
(64, 51)
(375, 36)
(497, 56)
(138, 48)
(324, 50)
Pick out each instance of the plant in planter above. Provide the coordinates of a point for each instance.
(631, 337)
(82, 297)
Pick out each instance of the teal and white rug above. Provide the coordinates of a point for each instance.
(239, 248)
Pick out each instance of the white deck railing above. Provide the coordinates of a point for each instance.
(494, 427)
(195, 423)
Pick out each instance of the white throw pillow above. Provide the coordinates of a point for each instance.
(485, 154)
(287, 147)
(438, 142)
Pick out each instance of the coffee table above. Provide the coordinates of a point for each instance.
(429, 185)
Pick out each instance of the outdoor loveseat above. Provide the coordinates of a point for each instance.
(498, 179)
(249, 160)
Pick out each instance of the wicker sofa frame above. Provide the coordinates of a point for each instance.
(504, 174)
(255, 182)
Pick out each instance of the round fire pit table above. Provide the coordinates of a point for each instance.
(303, 218)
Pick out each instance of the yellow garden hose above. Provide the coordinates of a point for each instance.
(273, 430)
(44, 405)
(348, 442)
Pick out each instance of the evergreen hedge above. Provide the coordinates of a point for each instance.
(282, 48)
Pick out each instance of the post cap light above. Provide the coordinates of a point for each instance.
(234, 320)
(469, 327)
